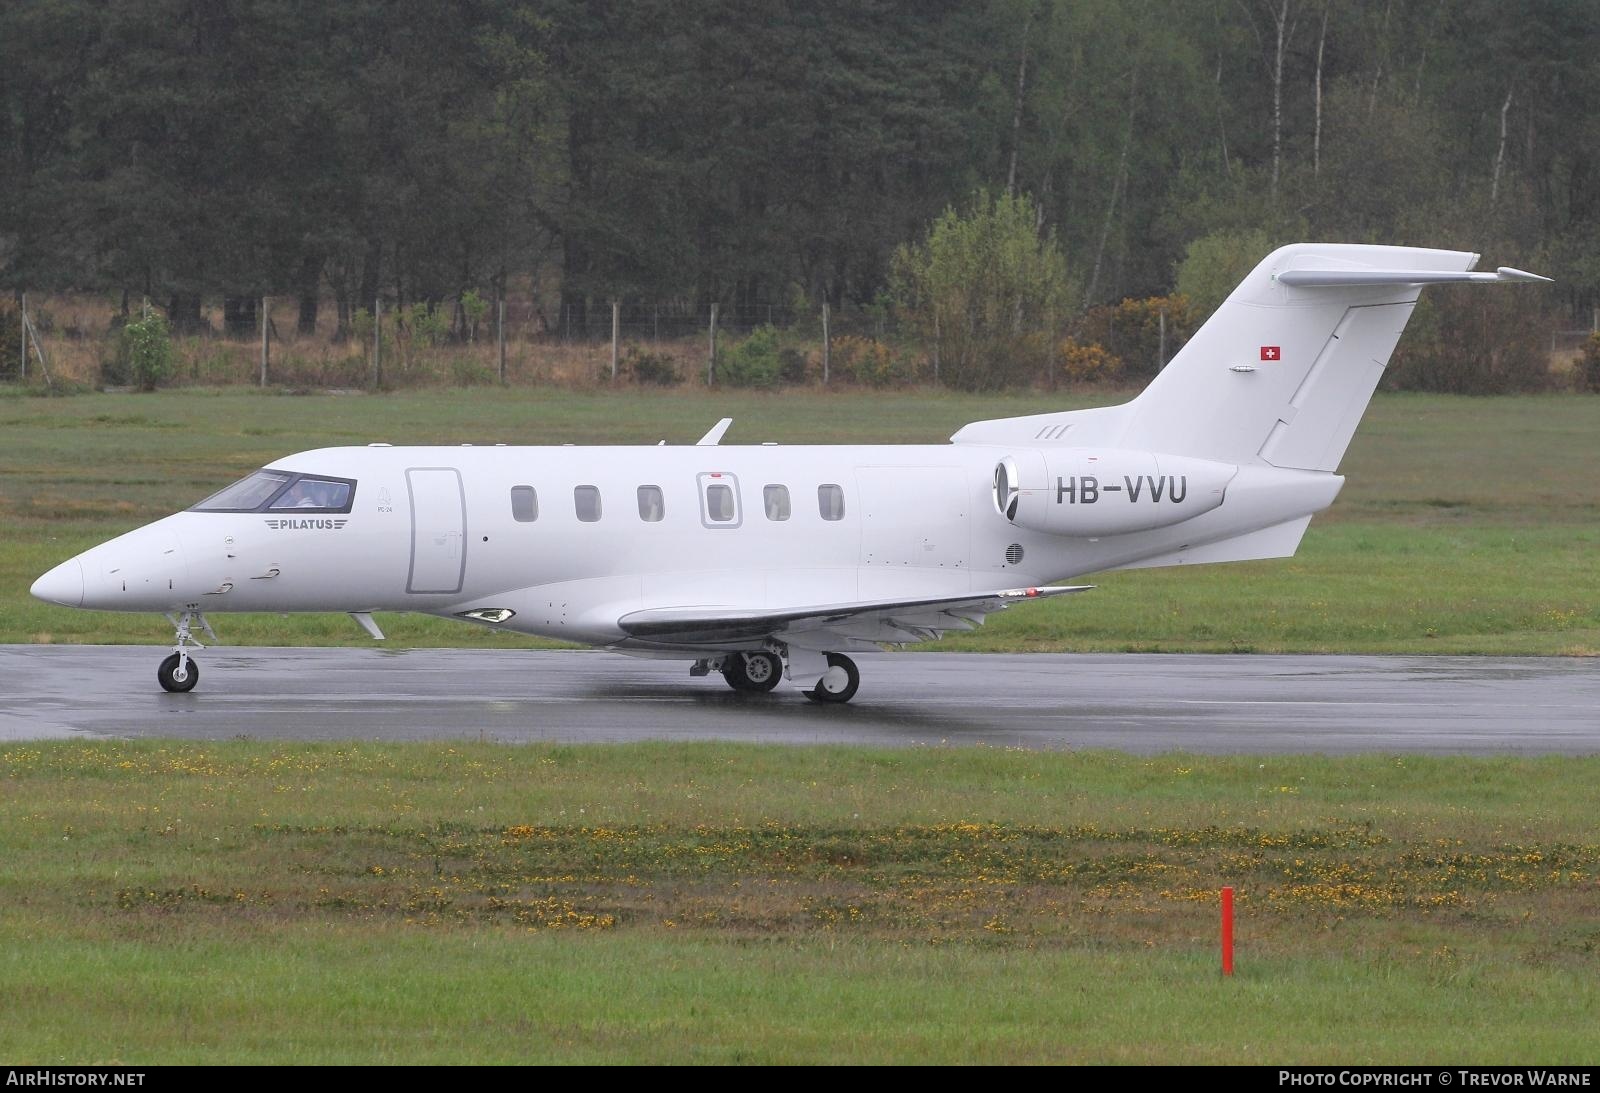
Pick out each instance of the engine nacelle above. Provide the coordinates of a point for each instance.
(1093, 491)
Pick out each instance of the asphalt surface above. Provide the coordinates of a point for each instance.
(1210, 704)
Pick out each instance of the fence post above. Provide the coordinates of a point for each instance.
(616, 330)
(377, 343)
(24, 305)
(500, 337)
(936, 349)
(263, 320)
(31, 332)
(1161, 354)
(711, 361)
(827, 346)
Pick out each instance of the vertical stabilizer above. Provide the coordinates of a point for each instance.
(1284, 369)
(1280, 374)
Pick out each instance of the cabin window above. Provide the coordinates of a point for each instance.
(524, 504)
(776, 499)
(719, 503)
(651, 506)
(719, 499)
(586, 499)
(830, 501)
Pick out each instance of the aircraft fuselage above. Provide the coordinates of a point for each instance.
(570, 539)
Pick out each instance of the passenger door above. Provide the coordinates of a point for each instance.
(438, 530)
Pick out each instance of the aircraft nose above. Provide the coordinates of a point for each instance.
(63, 584)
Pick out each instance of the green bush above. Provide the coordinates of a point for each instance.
(425, 325)
(753, 362)
(792, 364)
(988, 287)
(466, 372)
(871, 363)
(649, 369)
(144, 355)
(475, 307)
(361, 326)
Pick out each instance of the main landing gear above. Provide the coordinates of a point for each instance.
(757, 672)
(179, 672)
(839, 683)
(760, 671)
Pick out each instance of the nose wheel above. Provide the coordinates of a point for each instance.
(179, 672)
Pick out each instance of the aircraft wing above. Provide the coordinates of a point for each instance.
(889, 621)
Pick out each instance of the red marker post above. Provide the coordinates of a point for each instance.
(1227, 931)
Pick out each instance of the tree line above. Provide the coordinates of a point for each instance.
(772, 151)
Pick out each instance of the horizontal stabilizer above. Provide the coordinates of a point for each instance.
(1279, 541)
(870, 620)
(1334, 278)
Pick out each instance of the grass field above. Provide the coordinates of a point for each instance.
(245, 902)
(1466, 526)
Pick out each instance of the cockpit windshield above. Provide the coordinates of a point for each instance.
(272, 491)
(322, 494)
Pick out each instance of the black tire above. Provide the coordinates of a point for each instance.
(822, 693)
(167, 675)
(754, 673)
(762, 671)
(733, 672)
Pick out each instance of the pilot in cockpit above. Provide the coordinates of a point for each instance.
(308, 493)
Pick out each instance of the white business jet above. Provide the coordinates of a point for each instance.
(772, 562)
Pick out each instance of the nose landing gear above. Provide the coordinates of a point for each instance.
(179, 673)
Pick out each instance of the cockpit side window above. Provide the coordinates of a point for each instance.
(271, 490)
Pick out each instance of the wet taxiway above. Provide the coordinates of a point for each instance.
(1137, 703)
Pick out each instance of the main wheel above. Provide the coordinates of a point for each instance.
(838, 683)
(756, 672)
(762, 671)
(167, 674)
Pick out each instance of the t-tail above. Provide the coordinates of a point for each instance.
(1275, 381)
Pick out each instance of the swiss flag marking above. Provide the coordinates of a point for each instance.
(1270, 353)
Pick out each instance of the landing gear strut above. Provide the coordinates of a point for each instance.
(179, 672)
(838, 683)
(756, 672)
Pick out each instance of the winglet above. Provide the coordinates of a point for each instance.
(715, 434)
